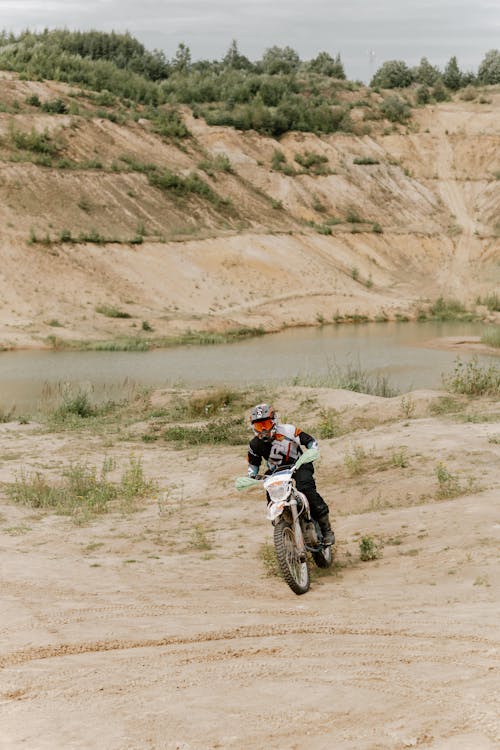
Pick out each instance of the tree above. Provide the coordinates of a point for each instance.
(326, 65)
(182, 59)
(452, 77)
(233, 58)
(425, 73)
(280, 60)
(489, 70)
(393, 74)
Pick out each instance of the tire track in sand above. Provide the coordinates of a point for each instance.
(23, 656)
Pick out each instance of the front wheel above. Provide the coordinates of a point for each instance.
(295, 571)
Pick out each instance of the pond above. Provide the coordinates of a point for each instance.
(399, 351)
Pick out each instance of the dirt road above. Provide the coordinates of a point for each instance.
(161, 631)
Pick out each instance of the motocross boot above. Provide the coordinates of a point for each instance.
(326, 530)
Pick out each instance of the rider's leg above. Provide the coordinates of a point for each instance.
(304, 479)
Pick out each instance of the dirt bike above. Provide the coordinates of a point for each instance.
(295, 531)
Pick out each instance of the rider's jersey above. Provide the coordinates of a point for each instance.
(283, 449)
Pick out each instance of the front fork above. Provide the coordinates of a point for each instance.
(297, 530)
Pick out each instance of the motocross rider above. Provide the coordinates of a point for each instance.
(281, 445)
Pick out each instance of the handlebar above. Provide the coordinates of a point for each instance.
(309, 455)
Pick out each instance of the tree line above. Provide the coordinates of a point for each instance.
(278, 93)
(397, 74)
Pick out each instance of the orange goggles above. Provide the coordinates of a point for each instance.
(263, 424)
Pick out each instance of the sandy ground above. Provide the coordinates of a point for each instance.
(129, 633)
(427, 224)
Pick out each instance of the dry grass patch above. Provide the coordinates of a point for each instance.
(83, 491)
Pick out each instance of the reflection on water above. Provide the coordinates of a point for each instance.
(397, 350)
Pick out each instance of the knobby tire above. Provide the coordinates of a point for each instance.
(295, 572)
(323, 558)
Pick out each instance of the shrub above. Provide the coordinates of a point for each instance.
(74, 404)
(112, 312)
(38, 143)
(423, 95)
(326, 65)
(278, 160)
(228, 432)
(440, 92)
(449, 485)
(218, 163)
(365, 160)
(352, 216)
(65, 236)
(54, 106)
(369, 549)
(5, 416)
(310, 160)
(329, 425)
(473, 379)
(182, 186)
(94, 237)
(491, 336)
(33, 100)
(167, 123)
(395, 109)
(280, 60)
(83, 491)
(392, 74)
(492, 301)
(449, 309)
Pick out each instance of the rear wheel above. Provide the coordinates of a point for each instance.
(323, 557)
(295, 571)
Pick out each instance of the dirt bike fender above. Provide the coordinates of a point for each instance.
(274, 510)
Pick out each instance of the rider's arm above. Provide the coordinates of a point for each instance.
(254, 461)
(306, 440)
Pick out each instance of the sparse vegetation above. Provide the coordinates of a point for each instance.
(449, 309)
(6, 416)
(199, 539)
(267, 556)
(350, 377)
(369, 549)
(407, 407)
(449, 485)
(218, 163)
(220, 432)
(112, 312)
(83, 491)
(355, 460)
(491, 336)
(313, 163)
(446, 405)
(330, 425)
(492, 300)
(365, 160)
(38, 143)
(473, 379)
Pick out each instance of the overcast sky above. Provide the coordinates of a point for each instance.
(391, 29)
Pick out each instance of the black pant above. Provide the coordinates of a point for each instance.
(304, 481)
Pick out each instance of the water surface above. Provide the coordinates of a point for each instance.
(397, 350)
